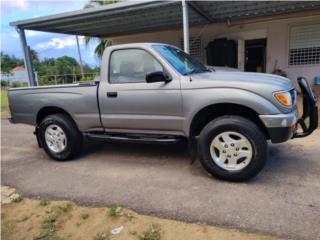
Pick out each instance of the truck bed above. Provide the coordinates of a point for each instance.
(80, 100)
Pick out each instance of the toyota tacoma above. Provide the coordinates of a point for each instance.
(150, 92)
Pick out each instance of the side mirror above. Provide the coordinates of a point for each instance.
(157, 77)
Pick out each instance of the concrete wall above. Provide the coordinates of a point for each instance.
(276, 31)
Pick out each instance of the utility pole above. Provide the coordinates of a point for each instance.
(80, 59)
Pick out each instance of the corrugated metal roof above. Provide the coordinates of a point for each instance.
(133, 17)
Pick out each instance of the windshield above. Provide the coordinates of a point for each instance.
(181, 61)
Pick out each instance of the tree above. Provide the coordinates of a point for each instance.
(66, 65)
(35, 59)
(48, 69)
(102, 43)
(9, 61)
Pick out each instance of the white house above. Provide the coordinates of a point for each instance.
(18, 74)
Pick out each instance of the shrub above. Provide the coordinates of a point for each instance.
(4, 83)
(19, 84)
(153, 233)
(16, 198)
(116, 211)
(44, 202)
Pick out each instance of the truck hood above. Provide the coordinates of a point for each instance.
(260, 83)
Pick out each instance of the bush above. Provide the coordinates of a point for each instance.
(153, 233)
(4, 83)
(19, 84)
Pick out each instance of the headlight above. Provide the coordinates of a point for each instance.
(284, 98)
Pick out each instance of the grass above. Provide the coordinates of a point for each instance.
(7, 230)
(44, 202)
(65, 220)
(84, 216)
(52, 222)
(153, 233)
(66, 207)
(16, 198)
(4, 99)
(102, 236)
(116, 211)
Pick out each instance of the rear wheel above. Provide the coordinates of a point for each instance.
(232, 148)
(60, 137)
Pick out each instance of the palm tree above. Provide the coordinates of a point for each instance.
(102, 43)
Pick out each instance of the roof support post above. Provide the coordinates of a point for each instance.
(185, 26)
(80, 58)
(27, 57)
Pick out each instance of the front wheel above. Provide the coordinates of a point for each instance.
(60, 137)
(232, 148)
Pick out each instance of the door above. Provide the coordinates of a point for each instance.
(255, 55)
(128, 102)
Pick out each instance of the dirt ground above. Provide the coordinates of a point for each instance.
(41, 219)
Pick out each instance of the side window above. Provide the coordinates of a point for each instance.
(131, 66)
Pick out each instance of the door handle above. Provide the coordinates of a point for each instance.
(112, 94)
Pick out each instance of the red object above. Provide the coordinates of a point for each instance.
(18, 68)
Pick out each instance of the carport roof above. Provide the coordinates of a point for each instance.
(134, 17)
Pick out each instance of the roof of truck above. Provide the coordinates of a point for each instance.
(139, 44)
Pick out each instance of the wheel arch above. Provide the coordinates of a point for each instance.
(212, 111)
(48, 110)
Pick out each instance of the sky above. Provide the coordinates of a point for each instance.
(46, 44)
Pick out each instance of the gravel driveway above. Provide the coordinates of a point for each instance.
(284, 200)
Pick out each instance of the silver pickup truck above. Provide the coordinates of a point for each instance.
(154, 92)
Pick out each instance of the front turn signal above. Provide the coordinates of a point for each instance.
(284, 98)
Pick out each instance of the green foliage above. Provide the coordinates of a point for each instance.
(46, 69)
(66, 207)
(66, 65)
(9, 61)
(19, 84)
(4, 99)
(44, 202)
(84, 216)
(116, 211)
(102, 43)
(53, 221)
(4, 83)
(102, 236)
(153, 233)
(16, 198)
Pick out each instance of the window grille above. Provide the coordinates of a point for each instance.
(195, 47)
(304, 45)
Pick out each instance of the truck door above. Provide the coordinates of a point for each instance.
(128, 102)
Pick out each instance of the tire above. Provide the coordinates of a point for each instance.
(251, 142)
(72, 142)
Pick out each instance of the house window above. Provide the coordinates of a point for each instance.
(195, 47)
(304, 44)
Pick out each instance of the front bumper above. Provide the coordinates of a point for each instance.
(282, 127)
(279, 120)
